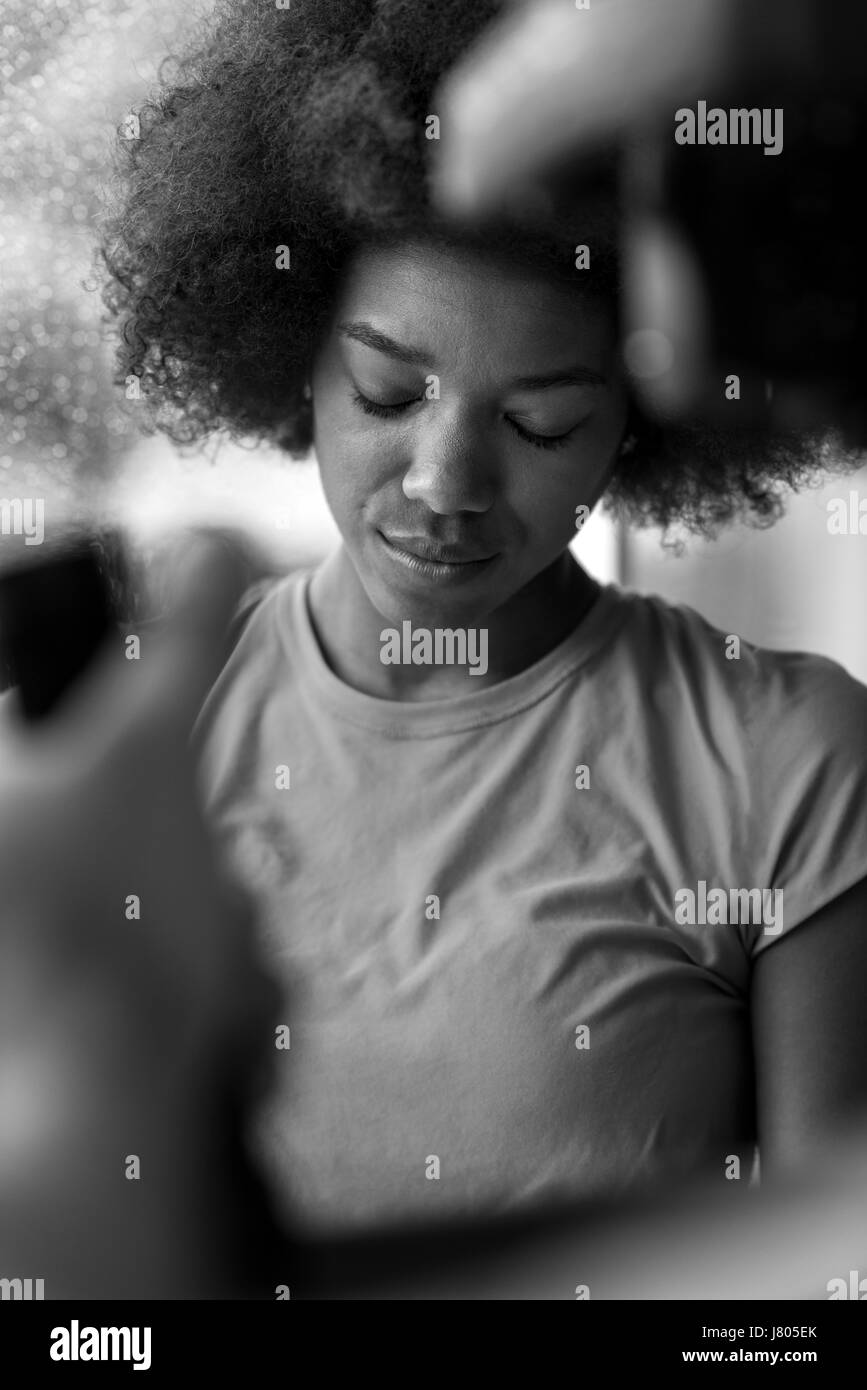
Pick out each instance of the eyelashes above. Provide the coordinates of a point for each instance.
(391, 412)
(383, 412)
(542, 441)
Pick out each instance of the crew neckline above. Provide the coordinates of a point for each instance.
(433, 718)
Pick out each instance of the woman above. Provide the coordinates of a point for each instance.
(565, 887)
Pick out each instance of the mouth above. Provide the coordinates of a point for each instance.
(434, 561)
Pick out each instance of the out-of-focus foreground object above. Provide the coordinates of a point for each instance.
(135, 1018)
(800, 1239)
(742, 232)
(54, 617)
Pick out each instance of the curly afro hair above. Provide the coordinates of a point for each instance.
(305, 128)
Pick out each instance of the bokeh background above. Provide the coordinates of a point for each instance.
(70, 72)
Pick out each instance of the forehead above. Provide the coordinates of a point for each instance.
(454, 302)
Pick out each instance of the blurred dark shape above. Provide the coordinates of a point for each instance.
(55, 615)
(736, 261)
(779, 242)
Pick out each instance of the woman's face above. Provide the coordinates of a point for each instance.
(464, 408)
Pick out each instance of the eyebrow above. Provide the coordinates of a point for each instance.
(371, 337)
(380, 342)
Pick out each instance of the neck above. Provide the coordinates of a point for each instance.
(519, 633)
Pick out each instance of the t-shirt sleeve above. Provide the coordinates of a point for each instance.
(808, 743)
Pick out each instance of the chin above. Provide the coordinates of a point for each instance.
(427, 609)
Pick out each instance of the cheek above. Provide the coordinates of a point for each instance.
(552, 484)
(547, 511)
(352, 461)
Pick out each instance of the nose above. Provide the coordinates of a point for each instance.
(452, 468)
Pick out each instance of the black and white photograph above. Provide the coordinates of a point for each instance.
(433, 669)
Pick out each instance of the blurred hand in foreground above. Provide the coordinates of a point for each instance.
(732, 262)
(131, 999)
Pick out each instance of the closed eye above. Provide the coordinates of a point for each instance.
(542, 441)
(379, 408)
(392, 410)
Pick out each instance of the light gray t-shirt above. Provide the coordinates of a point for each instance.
(516, 928)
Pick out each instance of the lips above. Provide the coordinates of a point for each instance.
(424, 549)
